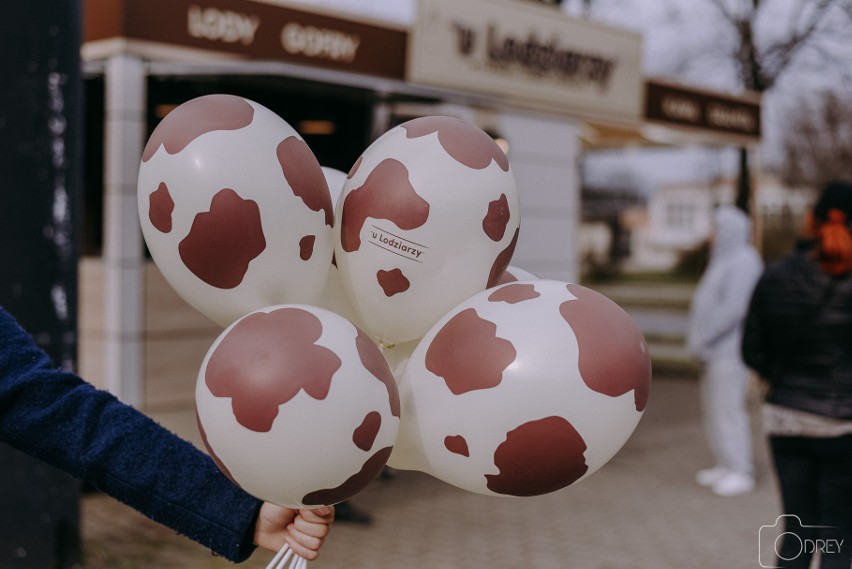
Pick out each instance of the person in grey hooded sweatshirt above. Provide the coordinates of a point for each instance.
(717, 314)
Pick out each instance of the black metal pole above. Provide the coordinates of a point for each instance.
(744, 189)
(40, 134)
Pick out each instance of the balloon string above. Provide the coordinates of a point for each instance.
(275, 560)
(278, 557)
(279, 561)
(284, 560)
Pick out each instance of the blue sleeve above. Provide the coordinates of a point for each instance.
(59, 418)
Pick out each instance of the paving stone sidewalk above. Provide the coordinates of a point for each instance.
(640, 511)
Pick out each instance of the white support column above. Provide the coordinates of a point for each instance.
(123, 257)
(380, 120)
(544, 152)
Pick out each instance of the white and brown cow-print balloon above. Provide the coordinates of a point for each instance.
(437, 355)
(428, 217)
(297, 406)
(234, 208)
(523, 389)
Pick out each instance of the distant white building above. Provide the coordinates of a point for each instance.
(680, 217)
(774, 199)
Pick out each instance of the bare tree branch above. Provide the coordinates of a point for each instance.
(777, 57)
(818, 141)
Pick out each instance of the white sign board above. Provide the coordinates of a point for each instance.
(530, 54)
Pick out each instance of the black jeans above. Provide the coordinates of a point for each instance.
(815, 477)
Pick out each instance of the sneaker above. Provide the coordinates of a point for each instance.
(734, 484)
(709, 476)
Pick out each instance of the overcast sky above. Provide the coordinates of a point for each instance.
(699, 57)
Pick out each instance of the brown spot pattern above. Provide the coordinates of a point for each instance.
(222, 242)
(613, 356)
(537, 458)
(465, 143)
(306, 247)
(386, 194)
(457, 445)
(373, 360)
(502, 261)
(160, 208)
(265, 360)
(366, 433)
(353, 484)
(467, 353)
(392, 282)
(497, 218)
(304, 174)
(195, 118)
(514, 293)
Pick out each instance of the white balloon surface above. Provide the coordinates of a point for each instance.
(523, 389)
(428, 217)
(334, 296)
(297, 406)
(513, 273)
(234, 208)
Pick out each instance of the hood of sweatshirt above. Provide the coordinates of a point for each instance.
(731, 231)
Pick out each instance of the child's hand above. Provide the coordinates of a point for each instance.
(303, 530)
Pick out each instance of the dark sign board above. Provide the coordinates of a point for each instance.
(253, 30)
(682, 106)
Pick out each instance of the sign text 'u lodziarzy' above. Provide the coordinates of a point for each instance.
(535, 55)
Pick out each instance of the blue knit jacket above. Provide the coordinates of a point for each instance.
(59, 418)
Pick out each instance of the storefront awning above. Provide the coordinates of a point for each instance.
(678, 115)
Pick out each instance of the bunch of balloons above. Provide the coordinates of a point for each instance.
(373, 318)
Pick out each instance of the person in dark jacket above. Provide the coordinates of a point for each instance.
(798, 337)
(62, 420)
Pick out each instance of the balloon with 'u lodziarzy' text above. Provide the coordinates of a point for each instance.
(429, 215)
